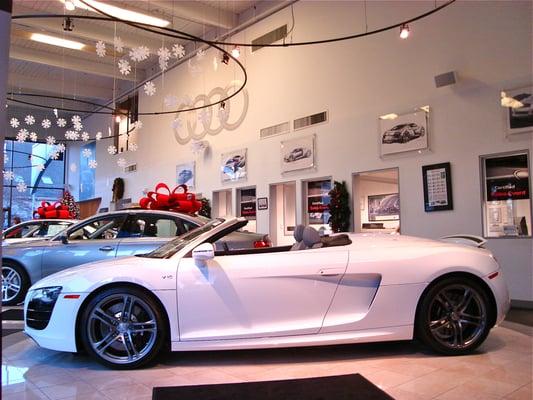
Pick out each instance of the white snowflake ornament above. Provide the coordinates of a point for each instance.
(133, 147)
(140, 53)
(121, 162)
(124, 67)
(111, 149)
(22, 135)
(39, 167)
(78, 126)
(119, 44)
(46, 123)
(178, 51)
(33, 137)
(86, 153)
(30, 119)
(61, 148)
(138, 125)
(85, 136)
(200, 54)
(100, 48)
(223, 114)
(176, 124)
(98, 135)
(76, 119)
(21, 187)
(163, 53)
(61, 122)
(9, 175)
(170, 101)
(54, 155)
(50, 140)
(14, 122)
(149, 88)
(163, 64)
(92, 164)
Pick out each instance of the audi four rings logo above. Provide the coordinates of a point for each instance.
(210, 125)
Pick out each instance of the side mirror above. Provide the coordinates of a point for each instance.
(204, 252)
(64, 238)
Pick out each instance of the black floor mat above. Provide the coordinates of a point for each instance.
(343, 387)
(13, 315)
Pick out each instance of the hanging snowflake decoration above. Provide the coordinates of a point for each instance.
(204, 117)
(170, 101)
(85, 136)
(54, 155)
(72, 135)
(200, 54)
(78, 126)
(92, 164)
(33, 137)
(61, 122)
(14, 123)
(133, 147)
(100, 48)
(40, 167)
(22, 135)
(119, 44)
(86, 153)
(138, 125)
(46, 123)
(61, 147)
(98, 135)
(121, 162)
(50, 140)
(9, 175)
(76, 119)
(124, 66)
(111, 149)
(140, 53)
(30, 119)
(149, 88)
(21, 187)
(176, 124)
(163, 64)
(178, 51)
(55, 112)
(164, 56)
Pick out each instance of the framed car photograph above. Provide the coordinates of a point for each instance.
(297, 154)
(384, 207)
(437, 187)
(233, 165)
(186, 174)
(518, 110)
(405, 132)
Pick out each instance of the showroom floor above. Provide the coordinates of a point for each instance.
(501, 369)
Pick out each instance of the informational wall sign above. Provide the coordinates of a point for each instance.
(507, 177)
(437, 187)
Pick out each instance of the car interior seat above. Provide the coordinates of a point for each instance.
(311, 238)
(150, 230)
(298, 237)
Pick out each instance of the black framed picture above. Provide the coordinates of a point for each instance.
(437, 187)
(262, 203)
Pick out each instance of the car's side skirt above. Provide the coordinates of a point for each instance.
(363, 336)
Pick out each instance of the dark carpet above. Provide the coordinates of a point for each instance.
(520, 316)
(343, 387)
(13, 315)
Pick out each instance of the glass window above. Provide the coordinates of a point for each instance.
(506, 195)
(102, 228)
(150, 226)
(246, 199)
(317, 204)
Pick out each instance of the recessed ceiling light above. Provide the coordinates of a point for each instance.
(119, 12)
(389, 116)
(55, 41)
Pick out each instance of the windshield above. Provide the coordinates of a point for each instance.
(175, 245)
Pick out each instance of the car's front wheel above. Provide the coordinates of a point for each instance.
(123, 328)
(15, 284)
(454, 316)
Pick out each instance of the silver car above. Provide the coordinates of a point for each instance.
(36, 229)
(102, 237)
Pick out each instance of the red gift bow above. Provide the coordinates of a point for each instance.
(52, 211)
(171, 200)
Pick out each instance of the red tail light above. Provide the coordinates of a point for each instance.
(266, 242)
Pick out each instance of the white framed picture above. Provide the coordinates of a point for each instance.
(298, 154)
(186, 175)
(404, 132)
(519, 110)
(233, 165)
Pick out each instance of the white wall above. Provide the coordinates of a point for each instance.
(487, 43)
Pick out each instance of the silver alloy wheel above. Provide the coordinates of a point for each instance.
(122, 328)
(11, 283)
(457, 316)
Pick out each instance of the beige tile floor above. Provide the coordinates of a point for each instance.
(501, 369)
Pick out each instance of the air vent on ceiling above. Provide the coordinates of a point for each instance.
(314, 119)
(269, 38)
(130, 168)
(274, 130)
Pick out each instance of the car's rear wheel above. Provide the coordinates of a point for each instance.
(15, 284)
(454, 316)
(123, 328)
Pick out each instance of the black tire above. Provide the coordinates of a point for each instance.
(15, 283)
(453, 317)
(132, 341)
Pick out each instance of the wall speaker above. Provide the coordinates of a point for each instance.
(448, 78)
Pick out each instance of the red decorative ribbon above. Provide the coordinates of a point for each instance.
(177, 200)
(52, 211)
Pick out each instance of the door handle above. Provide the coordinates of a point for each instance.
(106, 248)
(331, 271)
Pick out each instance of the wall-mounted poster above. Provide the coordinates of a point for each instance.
(406, 132)
(318, 200)
(384, 207)
(262, 203)
(185, 175)
(298, 154)
(519, 114)
(233, 165)
(437, 187)
(507, 177)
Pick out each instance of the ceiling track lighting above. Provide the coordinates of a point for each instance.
(404, 31)
(236, 52)
(68, 25)
(225, 58)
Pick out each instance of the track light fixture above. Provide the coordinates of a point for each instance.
(223, 105)
(225, 58)
(68, 25)
(404, 31)
(236, 52)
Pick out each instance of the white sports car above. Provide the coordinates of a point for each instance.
(347, 288)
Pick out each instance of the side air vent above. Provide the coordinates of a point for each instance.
(269, 38)
(130, 168)
(314, 119)
(274, 130)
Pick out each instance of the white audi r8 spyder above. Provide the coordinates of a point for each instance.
(346, 288)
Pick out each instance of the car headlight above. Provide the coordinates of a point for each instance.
(46, 294)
